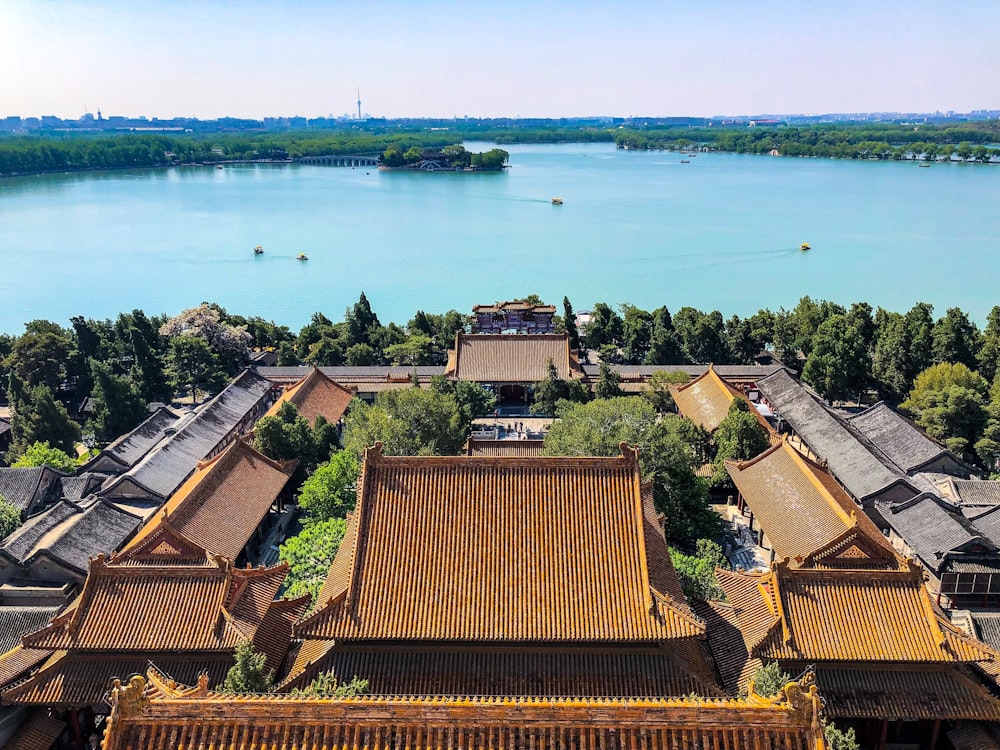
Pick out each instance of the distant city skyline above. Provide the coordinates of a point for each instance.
(441, 58)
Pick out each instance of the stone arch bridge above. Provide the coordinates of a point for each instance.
(341, 160)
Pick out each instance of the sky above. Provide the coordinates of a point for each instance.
(548, 58)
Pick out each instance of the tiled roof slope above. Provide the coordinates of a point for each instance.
(27, 487)
(71, 534)
(976, 491)
(799, 506)
(316, 395)
(496, 448)
(15, 621)
(223, 502)
(532, 549)
(706, 400)
(179, 717)
(162, 470)
(132, 446)
(79, 487)
(39, 732)
(903, 442)
(849, 456)
(160, 608)
(840, 615)
(520, 358)
(929, 529)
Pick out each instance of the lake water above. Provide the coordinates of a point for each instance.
(721, 232)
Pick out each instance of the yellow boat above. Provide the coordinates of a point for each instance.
(301, 256)
(804, 246)
(258, 250)
(557, 201)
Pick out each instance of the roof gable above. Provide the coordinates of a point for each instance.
(929, 529)
(799, 506)
(221, 504)
(903, 442)
(316, 395)
(706, 400)
(533, 549)
(841, 615)
(26, 487)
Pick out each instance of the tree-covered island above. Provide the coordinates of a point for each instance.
(452, 158)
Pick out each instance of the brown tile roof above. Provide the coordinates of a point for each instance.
(706, 400)
(186, 718)
(316, 395)
(39, 732)
(802, 509)
(902, 692)
(725, 642)
(474, 447)
(532, 549)
(19, 661)
(844, 615)
(162, 608)
(221, 504)
(513, 358)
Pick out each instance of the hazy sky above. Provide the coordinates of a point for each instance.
(545, 58)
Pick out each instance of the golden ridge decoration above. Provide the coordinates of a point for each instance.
(130, 699)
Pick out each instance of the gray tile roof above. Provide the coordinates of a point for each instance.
(987, 524)
(903, 442)
(17, 621)
(351, 375)
(163, 468)
(852, 459)
(977, 491)
(987, 627)
(24, 488)
(76, 488)
(19, 545)
(100, 529)
(132, 446)
(928, 527)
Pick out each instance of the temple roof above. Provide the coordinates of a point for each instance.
(802, 509)
(176, 716)
(316, 395)
(852, 459)
(132, 446)
(166, 465)
(844, 615)
(530, 549)
(29, 486)
(905, 444)
(706, 400)
(520, 358)
(39, 732)
(930, 529)
(221, 504)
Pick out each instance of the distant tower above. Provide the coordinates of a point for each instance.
(359, 104)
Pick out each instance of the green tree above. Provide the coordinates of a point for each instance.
(770, 679)
(697, 572)
(192, 364)
(671, 448)
(43, 454)
(569, 319)
(608, 383)
(657, 389)
(408, 422)
(331, 490)
(309, 555)
(249, 674)
(740, 437)
(744, 339)
(418, 349)
(955, 338)
(117, 404)
(147, 370)
(472, 399)
(326, 685)
(837, 739)
(839, 363)
(702, 336)
(39, 356)
(948, 400)
(637, 333)
(361, 355)
(210, 323)
(964, 151)
(36, 417)
(604, 328)
(664, 345)
(10, 518)
(989, 352)
(890, 364)
(550, 392)
(287, 356)
(361, 322)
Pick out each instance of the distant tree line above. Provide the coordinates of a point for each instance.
(451, 156)
(867, 141)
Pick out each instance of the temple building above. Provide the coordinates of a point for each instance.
(513, 317)
(545, 576)
(316, 395)
(171, 604)
(882, 653)
(706, 400)
(510, 366)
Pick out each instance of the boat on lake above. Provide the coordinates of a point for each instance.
(258, 250)
(924, 166)
(685, 161)
(804, 246)
(301, 256)
(557, 201)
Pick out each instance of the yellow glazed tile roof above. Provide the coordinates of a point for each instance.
(316, 395)
(511, 358)
(706, 400)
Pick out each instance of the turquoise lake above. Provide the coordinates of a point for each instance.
(719, 233)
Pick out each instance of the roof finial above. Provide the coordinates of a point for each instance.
(374, 452)
(129, 700)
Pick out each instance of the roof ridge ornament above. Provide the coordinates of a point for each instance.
(629, 453)
(129, 700)
(373, 453)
